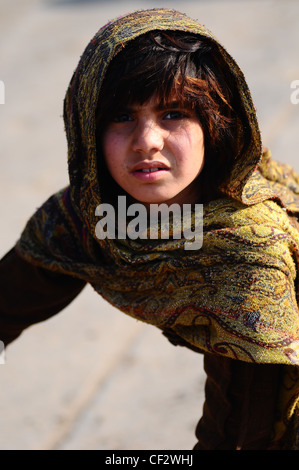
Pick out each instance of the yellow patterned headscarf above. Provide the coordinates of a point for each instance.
(236, 296)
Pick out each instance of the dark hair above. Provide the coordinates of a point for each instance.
(190, 66)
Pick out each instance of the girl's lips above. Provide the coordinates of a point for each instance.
(149, 174)
(149, 171)
(147, 166)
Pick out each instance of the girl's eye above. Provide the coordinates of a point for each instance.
(174, 115)
(122, 117)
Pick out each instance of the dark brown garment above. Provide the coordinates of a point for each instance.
(29, 294)
(240, 405)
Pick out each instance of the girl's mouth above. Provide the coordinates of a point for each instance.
(149, 172)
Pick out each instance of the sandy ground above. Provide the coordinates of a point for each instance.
(91, 378)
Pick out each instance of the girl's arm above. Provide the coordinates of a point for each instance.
(30, 294)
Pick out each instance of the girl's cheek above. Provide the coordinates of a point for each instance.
(109, 145)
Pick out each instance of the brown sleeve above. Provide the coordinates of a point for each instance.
(30, 294)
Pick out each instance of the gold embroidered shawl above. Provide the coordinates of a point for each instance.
(236, 296)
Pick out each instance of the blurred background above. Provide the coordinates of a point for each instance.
(92, 378)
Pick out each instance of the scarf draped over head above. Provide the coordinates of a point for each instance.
(237, 295)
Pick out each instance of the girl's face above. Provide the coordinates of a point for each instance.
(155, 154)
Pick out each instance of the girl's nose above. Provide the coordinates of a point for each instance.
(148, 137)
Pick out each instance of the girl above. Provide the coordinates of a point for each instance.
(158, 111)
